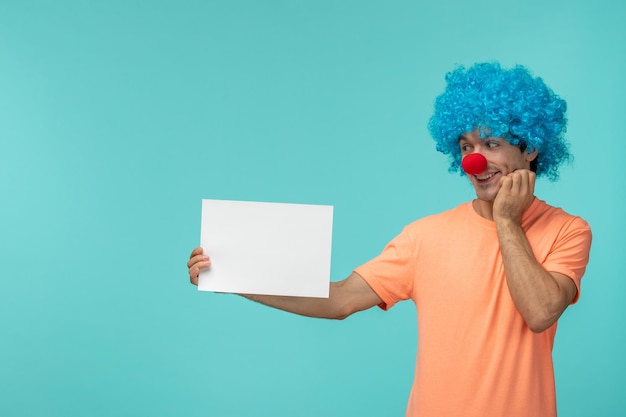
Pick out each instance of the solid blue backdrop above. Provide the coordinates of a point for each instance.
(118, 117)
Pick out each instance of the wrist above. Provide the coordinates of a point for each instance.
(507, 222)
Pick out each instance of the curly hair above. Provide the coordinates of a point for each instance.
(507, 103)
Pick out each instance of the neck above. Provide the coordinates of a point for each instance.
(483, 208)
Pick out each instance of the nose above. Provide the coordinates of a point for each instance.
(474, 163)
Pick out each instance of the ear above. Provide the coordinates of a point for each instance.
(531, 156)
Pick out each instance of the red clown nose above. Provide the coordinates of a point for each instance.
(474, 164)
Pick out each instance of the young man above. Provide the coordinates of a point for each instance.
(490, 277)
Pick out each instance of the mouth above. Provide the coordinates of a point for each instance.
(483, 178)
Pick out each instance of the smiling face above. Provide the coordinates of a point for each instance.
(502, 159)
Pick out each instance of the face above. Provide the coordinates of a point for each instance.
(502, 159)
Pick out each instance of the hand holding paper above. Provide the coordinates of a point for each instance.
(266, 248)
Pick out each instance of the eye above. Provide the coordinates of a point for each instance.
(465, 147)
(491, 143)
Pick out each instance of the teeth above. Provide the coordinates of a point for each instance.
(485, 177)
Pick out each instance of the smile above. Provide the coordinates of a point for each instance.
(485, 177)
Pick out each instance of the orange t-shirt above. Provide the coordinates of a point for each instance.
(476, 357)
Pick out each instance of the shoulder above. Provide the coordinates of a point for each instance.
(441, 219)
(543, 212)
(553, 222)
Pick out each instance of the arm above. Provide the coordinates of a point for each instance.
(539, 295)
(346, 297)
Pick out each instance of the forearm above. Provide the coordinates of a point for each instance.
(538, 296)
(345, 297)
(304, 306)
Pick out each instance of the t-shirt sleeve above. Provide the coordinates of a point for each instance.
(570, 253)
(391, 274)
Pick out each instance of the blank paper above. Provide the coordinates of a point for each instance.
(266, 248)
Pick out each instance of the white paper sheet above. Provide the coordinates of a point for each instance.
(266, 248)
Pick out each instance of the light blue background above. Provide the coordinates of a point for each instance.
(118, 117)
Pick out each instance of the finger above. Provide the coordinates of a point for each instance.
(194, 271)
(527, 181)
(506, 183)
(200, 265)
(194, 279)
(196, 259)
(531, 180)
(517, 182)
(197, 251)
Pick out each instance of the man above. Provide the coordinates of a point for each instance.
(490, 277)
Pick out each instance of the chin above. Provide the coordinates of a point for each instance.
(486, 196)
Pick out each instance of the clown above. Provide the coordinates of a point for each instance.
(490, 277)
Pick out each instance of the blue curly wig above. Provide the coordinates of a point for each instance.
(501, 103)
